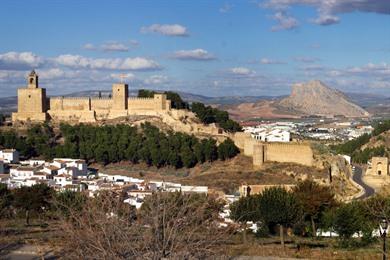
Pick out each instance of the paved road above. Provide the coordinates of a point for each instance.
(358, 178)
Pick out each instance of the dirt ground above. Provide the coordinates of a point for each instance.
(224, 176)
(43, 240)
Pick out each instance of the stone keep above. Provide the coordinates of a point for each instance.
(34, 106)
(31, 101)
(120, 93)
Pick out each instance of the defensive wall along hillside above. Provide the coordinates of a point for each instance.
(294, 152)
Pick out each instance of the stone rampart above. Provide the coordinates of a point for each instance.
(101, 104)
(71, 103)
(261, 152)
(291, 152)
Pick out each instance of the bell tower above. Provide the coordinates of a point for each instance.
(31, 101)
(32, 80)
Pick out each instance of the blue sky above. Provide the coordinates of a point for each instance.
(213, 48)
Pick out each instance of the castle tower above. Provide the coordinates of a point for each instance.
(32, 80)
(120, 93)
(258, 155)
(31, 101)
(160, 101)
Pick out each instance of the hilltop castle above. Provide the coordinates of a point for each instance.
(34, 106)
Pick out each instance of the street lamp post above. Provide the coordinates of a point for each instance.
(383, 227)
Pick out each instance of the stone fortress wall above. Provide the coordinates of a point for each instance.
(35, 107)
(294, 152)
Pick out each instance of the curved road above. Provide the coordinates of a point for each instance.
(357, 177)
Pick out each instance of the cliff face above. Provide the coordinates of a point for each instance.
(315, 98)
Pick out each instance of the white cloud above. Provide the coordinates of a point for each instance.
(196, 54)
(77, 61)
(284, 21)
(20, 61)
(326, 19)
(270, 61)
(241, 71)
(115, 46)
(166, 29)
(225, 8)
(328, 9)
(111, 46)
(134, 43)
(89, 46)
(304, 59)
(156, 80)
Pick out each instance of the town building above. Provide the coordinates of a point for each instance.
(9, 156)
(247, 190)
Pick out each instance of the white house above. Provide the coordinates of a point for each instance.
(9, 156)
(51, 169)
(33, 163)
(275, 135)
(40, 175)
(62, 180)
(22, 172)
(135, 201)
(194, 189)
(77, 167)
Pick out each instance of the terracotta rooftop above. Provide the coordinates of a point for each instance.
(26, 168)
(40, 174)
(52, 168)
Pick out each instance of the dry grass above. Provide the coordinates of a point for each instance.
(225, 176)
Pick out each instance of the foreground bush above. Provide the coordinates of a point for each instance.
(169, 225)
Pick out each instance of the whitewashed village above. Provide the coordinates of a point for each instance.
(73, 174)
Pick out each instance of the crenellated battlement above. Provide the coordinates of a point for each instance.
(100, 98)
(71, 98)
(140, 98)
(34, 106)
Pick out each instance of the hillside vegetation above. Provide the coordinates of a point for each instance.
(108, 144)
(206, 114)
(360, 148)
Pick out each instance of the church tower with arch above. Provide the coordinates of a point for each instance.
(32, 103)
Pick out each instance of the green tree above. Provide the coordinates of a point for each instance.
(176, 100)
(227, 149)
(246, 209)
(208, 115)
(279, 207)
(35, 198)
(68, 202)
(315, 199)
(144, 93)
(349, 219)
(5, 199)
(210, 150)
(187, 157)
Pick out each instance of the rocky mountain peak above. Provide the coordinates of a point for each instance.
(315, 98)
